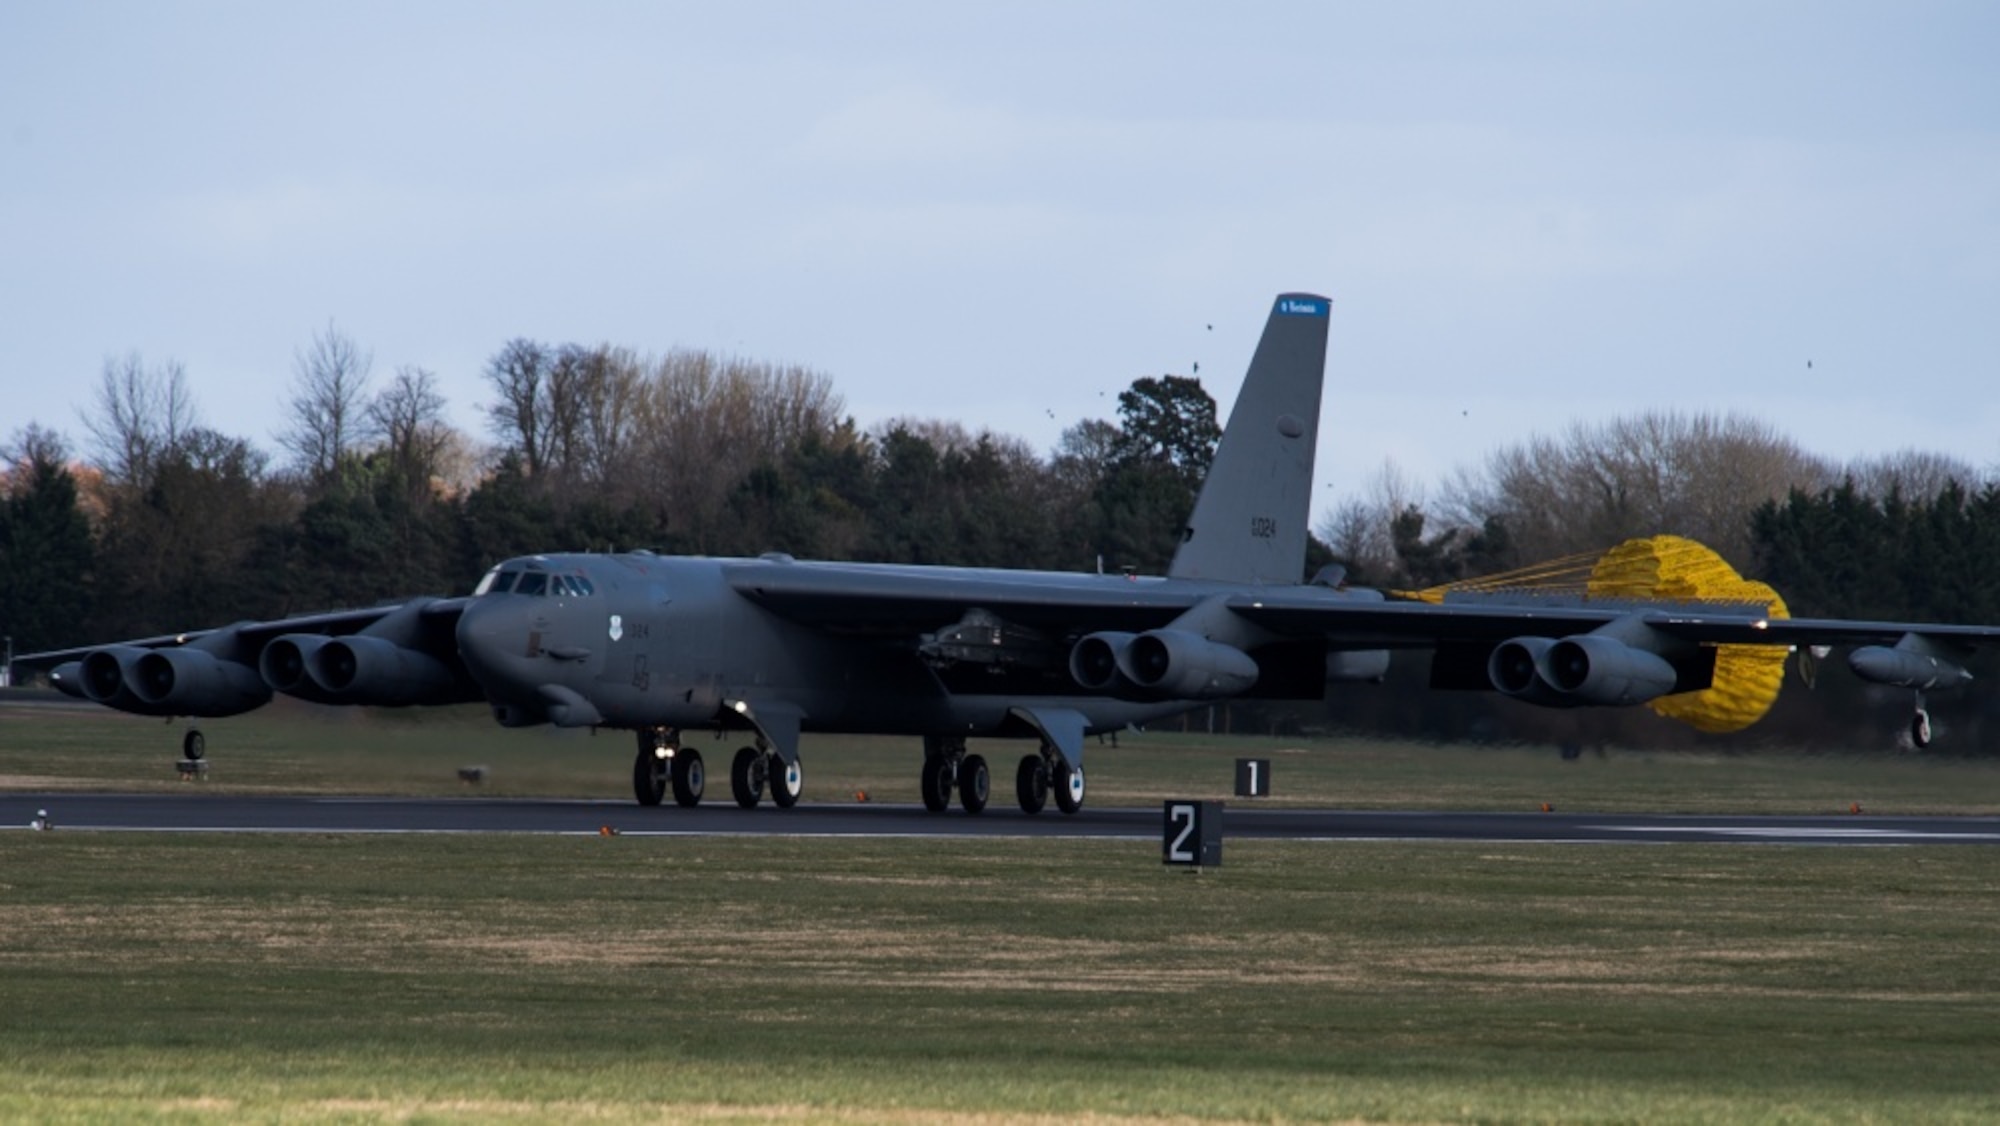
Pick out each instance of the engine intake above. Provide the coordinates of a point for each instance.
(1595, 669)
(372, 670)
(169, 682)
(1093, 662)
(1178, 665)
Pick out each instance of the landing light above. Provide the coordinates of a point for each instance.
(663, 753)
(742, 707)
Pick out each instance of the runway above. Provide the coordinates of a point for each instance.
(196, 812)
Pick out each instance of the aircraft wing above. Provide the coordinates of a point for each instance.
(332, 623)
(384, 655)
(889, 600)
(1423, 624)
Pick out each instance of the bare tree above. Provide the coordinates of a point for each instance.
(1915, 475)
(701, 424)
(407, 420)
(329, 394)
(1362, 529)
(143, 415)
(1696, 475)
(518, 417)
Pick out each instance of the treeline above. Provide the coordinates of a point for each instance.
(159, 524)
(154, 523)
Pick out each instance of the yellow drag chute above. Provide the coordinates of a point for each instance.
(1677, 569)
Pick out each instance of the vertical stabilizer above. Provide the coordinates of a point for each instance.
(1249, 523)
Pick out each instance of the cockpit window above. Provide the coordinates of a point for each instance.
(576, 586)
(496, 581)
(532, 582)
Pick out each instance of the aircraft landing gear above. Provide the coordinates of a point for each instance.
(689, 777)
(746, 777)
(1048, 772)
(942, 755)
(975, 783)
(649, 766)
(1031, 784)
(787, 781)
(1920, 725)
(1069, 788)
(193, 745)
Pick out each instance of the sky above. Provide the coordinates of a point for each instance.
(1526, 214)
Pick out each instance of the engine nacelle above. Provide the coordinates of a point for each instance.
(1594, 669)
(1514, 668)
(285, 666)
(372, 670)
(1093, 662)
(195, 682)
(105, 676)
(68, 679)
(1905, 668)
(1177, 665)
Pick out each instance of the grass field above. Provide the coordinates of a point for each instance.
(290, 748)
(311, 978)
(615, 979)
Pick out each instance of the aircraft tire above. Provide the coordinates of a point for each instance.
(689, 776)
(937, 784)
(1920, 729)
(649, 776)
(786, 781)
(975, 783)
(193, 745)
(746, 777)
(1069, 788)
(1031, 784)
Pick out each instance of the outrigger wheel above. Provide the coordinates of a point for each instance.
(1920, 729)
(193, 746)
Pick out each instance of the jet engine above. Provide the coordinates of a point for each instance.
(1589, 668)
(1178, 665)
(105, 675)
(196, 682)
(1594, 669)
(180, 681)
(362, 669)
(1093, 662)
(283, 665)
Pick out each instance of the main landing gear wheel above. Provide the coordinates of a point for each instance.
(689, 777)
(1069, 788)
(975, 783)
(746, 777)
(649, 772)
(193, 746)
(939, 778)
(786, 781)
(1031, 783)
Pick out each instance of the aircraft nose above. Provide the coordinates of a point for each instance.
(492, 640)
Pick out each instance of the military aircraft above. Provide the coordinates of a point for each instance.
(773, 647)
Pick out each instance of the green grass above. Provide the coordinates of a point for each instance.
(186, 978)
(293, 748)
(179, 978)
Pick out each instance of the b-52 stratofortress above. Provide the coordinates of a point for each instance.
(774, 647)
